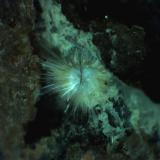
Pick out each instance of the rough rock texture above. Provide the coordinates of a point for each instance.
(96, 16)
(125, 127)
(123, 50)
(19, 72)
